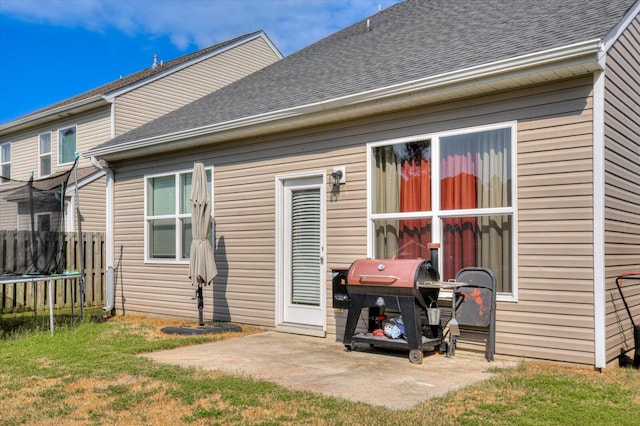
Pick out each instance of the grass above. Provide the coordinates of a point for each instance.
(88, 374)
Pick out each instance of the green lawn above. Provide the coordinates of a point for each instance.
(88, 373)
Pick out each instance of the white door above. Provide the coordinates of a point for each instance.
(302, 289)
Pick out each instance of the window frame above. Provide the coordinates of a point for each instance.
(41, 154)
(177, 216)
(436, 214)
(60, 130)
(5, 179)
(38, 216)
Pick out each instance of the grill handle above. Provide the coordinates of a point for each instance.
(387, 279)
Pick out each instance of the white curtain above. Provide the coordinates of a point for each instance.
(386, 200)
(494, 239)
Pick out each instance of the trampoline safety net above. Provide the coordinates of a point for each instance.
(32, 225)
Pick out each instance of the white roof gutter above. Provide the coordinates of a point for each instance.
(52, 114)
(473, 75)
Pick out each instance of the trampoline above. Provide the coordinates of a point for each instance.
(33, 249)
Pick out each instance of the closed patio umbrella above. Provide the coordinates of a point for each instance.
(202, 267)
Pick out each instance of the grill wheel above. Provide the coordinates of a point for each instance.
(416, 356)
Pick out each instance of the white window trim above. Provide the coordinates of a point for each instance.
(59, 145)
(177, 216)
(41, 154)
(436, 214)
(4, 163)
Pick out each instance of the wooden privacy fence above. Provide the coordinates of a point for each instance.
(20, 297)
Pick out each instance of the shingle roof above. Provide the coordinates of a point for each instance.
(47, 183)
(408, 41)
(138, 76)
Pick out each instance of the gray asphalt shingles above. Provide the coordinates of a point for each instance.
(411, 40)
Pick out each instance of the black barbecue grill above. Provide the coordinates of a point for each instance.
(405, 285)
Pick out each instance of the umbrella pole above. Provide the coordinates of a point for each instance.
(200, 304)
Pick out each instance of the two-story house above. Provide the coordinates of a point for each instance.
(45, 143)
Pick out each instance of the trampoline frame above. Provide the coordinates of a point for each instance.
(49, 279)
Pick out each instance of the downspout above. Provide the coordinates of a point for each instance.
(110, 291)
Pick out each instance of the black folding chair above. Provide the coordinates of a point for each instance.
(475, 309)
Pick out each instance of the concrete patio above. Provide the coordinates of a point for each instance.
(323, 366)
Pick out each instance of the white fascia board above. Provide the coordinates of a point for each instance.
(617, 31)
(504, 66)
(265, 37)
(599, 260)
(260, 34)
(84, 181)
(50, 114)
(477, 73)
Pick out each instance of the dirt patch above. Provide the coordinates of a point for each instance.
(151, 328)
(123, 399)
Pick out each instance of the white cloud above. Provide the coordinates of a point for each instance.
(292, 24)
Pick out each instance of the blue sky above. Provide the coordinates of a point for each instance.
(51, 50)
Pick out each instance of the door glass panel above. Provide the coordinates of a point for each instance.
(305, 247)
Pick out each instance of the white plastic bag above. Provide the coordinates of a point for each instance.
(394, 328)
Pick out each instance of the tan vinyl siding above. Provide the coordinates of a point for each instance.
(8, 211)
(245, 254)
(93, 206)
(622, 185)
(91, 129)
(553, 318)
(177, 89)
(24, 149)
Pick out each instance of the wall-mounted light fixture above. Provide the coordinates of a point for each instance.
(338, 176)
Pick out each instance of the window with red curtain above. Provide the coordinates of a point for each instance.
(473, 213)
(403, 185)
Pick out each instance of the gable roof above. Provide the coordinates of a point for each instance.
(411, 43)
(124, 84)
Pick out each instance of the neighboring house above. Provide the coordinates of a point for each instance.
(507, 131)
(45, 142)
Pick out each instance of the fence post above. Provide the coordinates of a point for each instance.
(88, 268)
(100, 258)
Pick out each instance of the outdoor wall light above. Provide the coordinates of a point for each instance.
(338, 176)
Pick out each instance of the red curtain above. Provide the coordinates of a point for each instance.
(415, 195)
(458, 190)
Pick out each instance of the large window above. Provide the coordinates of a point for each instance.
(67, 145)
(5, 162)
(168, 215)
(45, 153)
(454, 189)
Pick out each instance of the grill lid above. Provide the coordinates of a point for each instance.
(390, 272)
